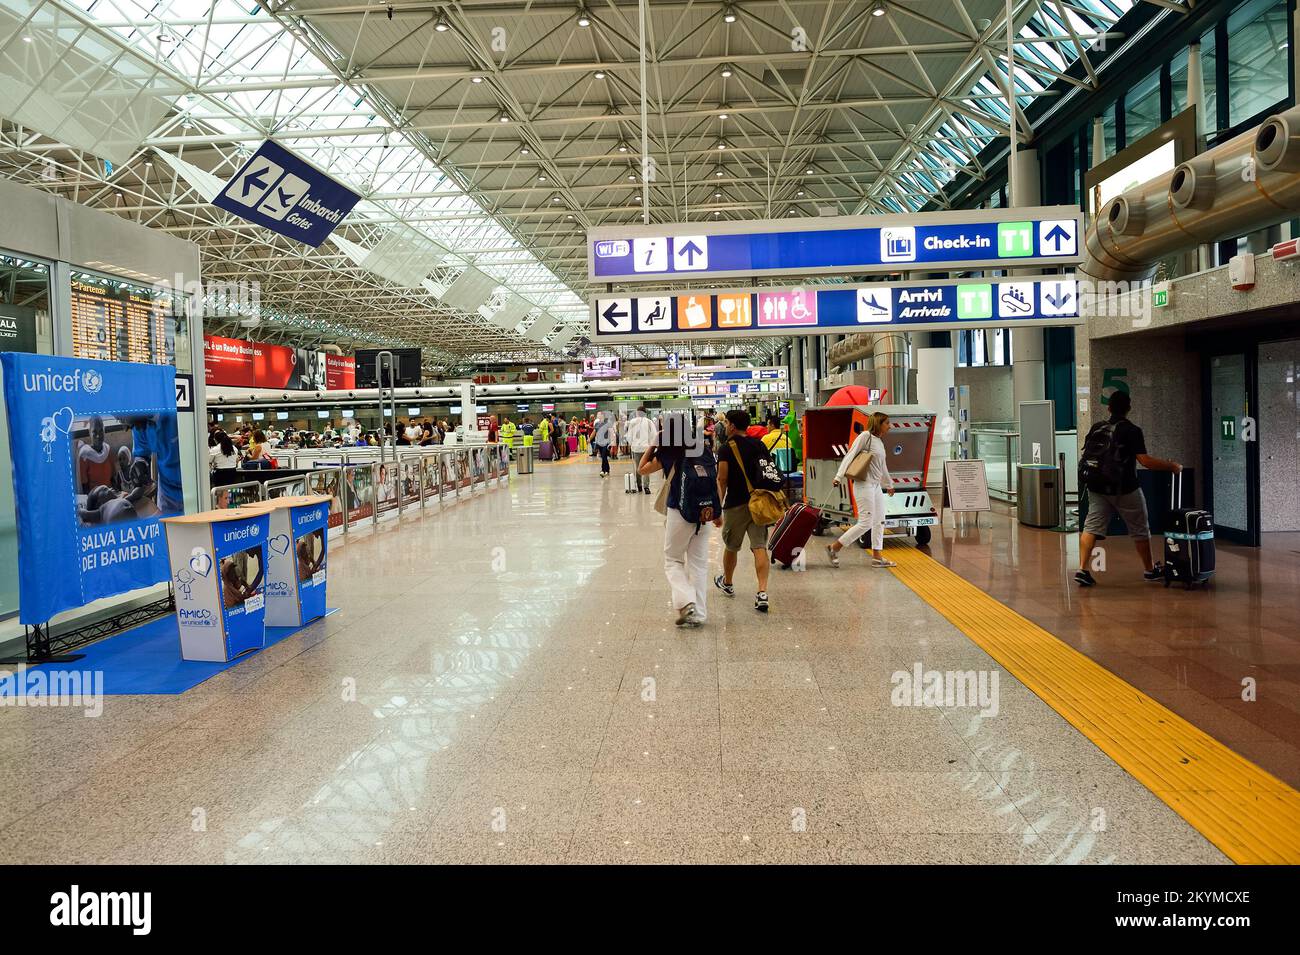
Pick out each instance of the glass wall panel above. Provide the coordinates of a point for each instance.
(1178, 82)
(1142, 107)
(24, 326)
(117, 321)
(1258, 58)
(1209, 57)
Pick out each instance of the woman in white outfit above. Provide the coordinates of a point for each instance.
(686, 541)
(869, 493)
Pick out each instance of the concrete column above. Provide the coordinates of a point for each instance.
(1098, 141)
(1028, 371)
(467, 416)
(1196, 99)
(935, 374)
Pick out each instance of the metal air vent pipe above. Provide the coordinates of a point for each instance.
(1248, 183)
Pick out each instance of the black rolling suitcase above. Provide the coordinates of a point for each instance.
(1189, 541)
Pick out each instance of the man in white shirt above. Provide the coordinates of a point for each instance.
(640, 438)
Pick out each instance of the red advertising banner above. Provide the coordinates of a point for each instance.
(340, 372)
(227, 361)
(239, 363)
(273, 366)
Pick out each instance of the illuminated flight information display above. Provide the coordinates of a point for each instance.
(122, 324)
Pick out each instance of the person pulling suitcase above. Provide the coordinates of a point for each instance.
(1108, 470)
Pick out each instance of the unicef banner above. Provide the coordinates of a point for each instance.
(96, 464)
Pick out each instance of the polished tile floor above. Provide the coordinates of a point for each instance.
(1202, 653)
(503, 684)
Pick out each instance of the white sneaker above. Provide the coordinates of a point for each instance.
(687, 617)
(834, 557)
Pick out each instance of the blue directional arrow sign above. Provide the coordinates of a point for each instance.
(287, 195)
(805, 310)
(1047, 235)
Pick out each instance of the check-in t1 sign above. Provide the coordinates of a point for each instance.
(287, 195)
(836, 244)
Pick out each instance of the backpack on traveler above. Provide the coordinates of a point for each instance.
(697, 489)
(1101, 469)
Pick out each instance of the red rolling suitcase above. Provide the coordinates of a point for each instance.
(792, 532)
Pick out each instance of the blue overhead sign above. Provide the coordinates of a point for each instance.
(853, 244)
(915, 306)
(287, 195)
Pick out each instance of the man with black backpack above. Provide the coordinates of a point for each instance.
(1108, 470)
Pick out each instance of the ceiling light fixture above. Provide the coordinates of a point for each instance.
(600, 74)
(726, 71)
(722, 144)
(476, 79)
(503, 117)
(728, 13)
(879, 9)
(717, 195)
(724, 114)
(441, 24)
(584, 18)
(718, 172)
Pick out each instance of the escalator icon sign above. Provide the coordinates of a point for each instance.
(875, 306)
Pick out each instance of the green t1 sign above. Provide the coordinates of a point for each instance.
(1228, 428)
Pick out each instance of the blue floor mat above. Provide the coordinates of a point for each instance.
(146, 660)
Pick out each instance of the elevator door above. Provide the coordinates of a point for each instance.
(1232, 448)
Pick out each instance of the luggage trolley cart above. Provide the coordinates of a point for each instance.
(827, 434)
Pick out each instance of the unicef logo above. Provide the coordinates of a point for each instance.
(93, 381)
(254, 530)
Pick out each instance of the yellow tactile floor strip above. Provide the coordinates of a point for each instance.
(1252, 816)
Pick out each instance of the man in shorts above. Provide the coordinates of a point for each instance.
(737, 525)
(1129, 504)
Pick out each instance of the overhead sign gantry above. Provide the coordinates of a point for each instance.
(854, 245)
(817, 310)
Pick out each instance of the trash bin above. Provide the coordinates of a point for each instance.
(1038, 490)
(524, 459)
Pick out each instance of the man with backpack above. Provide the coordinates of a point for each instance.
(749, 484)
(1108, 471)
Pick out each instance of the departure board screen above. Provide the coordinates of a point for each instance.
(114, 321)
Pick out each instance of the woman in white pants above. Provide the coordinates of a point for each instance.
(869, 493)
(686, 541)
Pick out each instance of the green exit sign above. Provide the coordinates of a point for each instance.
(1160, 295)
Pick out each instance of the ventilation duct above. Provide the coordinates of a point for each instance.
(1248, 183)
(890, 358)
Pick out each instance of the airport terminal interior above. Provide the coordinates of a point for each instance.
(650, 431)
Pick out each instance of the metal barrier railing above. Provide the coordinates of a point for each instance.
(361, 486)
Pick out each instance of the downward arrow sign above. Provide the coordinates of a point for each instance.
(1055, 300)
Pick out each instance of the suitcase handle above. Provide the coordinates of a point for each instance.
(1176, 490)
